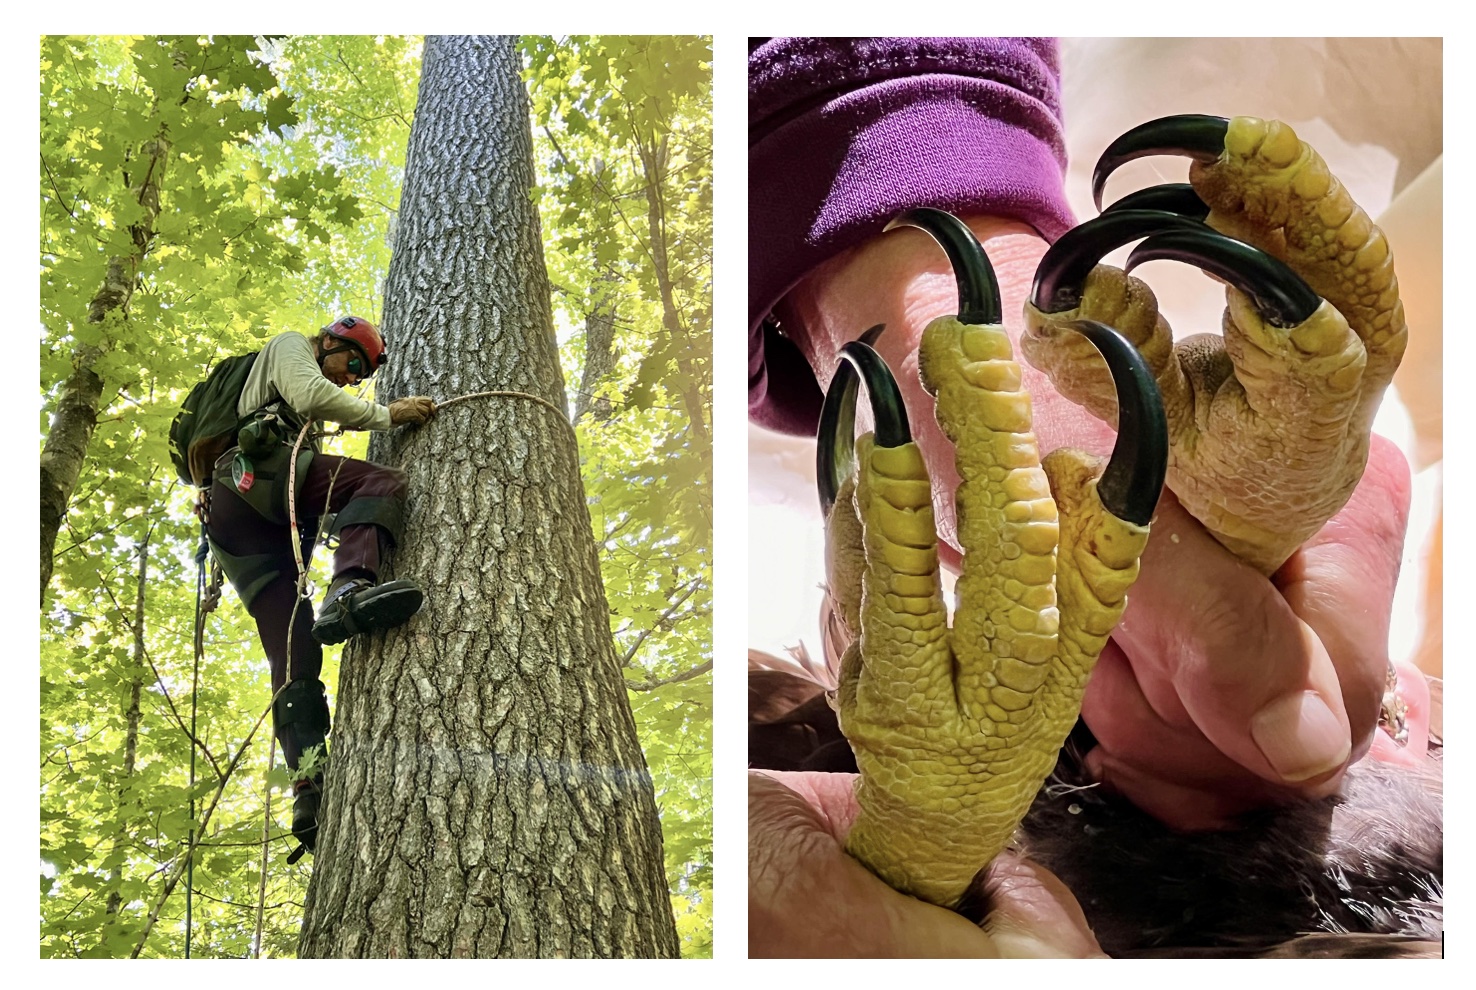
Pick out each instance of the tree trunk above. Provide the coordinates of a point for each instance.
(653, 164)
(487, 795)
(76, 410)
(599, 346)
(135, 693)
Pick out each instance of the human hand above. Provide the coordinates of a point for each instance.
(807, 898)
(415, 409)
(1318, 624)
(1224, 691)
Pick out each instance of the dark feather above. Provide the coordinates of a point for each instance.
(1365, 861)
(1309, 947)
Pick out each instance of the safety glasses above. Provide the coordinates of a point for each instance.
(358, 363)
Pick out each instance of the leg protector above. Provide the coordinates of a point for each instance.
(384, 511)
(302, 710)
(302, 720)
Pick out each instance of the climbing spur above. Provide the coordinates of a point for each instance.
(1269, 424)
(955, 729)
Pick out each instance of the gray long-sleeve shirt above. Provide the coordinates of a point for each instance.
(287, 372)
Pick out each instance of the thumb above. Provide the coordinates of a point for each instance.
(1212, 638)
(1341, 584)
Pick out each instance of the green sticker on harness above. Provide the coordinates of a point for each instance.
(241, 474)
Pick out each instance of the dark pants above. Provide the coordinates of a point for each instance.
(240, 530)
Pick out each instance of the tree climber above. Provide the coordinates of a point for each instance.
(296, 380)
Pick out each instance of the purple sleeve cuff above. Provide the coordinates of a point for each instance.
(844, 133)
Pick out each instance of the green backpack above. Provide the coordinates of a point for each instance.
(207, 423)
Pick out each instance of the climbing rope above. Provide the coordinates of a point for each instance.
(294, 536)
(513, 395)
(207, 596)
(266, 847)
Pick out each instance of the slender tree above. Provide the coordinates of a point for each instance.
(76, 407)
(487, 795)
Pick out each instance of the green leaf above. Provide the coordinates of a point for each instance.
(280, 113)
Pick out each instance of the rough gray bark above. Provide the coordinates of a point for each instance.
(486, 795)
(76, 409)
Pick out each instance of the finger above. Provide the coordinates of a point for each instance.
(1294, 354)
(1206, 628)
(1105, 514)
(1158, 759)
(807, 898)
(1034, 915)
(835, 482)
(1341, 584)
(1004, 633)
(904, 624)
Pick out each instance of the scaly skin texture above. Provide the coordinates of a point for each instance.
(955, 730)
(1268, 427)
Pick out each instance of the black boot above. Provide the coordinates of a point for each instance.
(358, 605)
(301, 716)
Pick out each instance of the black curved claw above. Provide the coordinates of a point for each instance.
(1169, 197)
(1193, 134)
(1061, 274)
(835, 453)
(978, 290)
(1130, 486)
(1279, 294)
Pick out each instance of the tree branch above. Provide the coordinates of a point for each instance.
(685, 675)
(646, 633)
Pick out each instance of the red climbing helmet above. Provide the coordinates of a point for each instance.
(363, 335)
